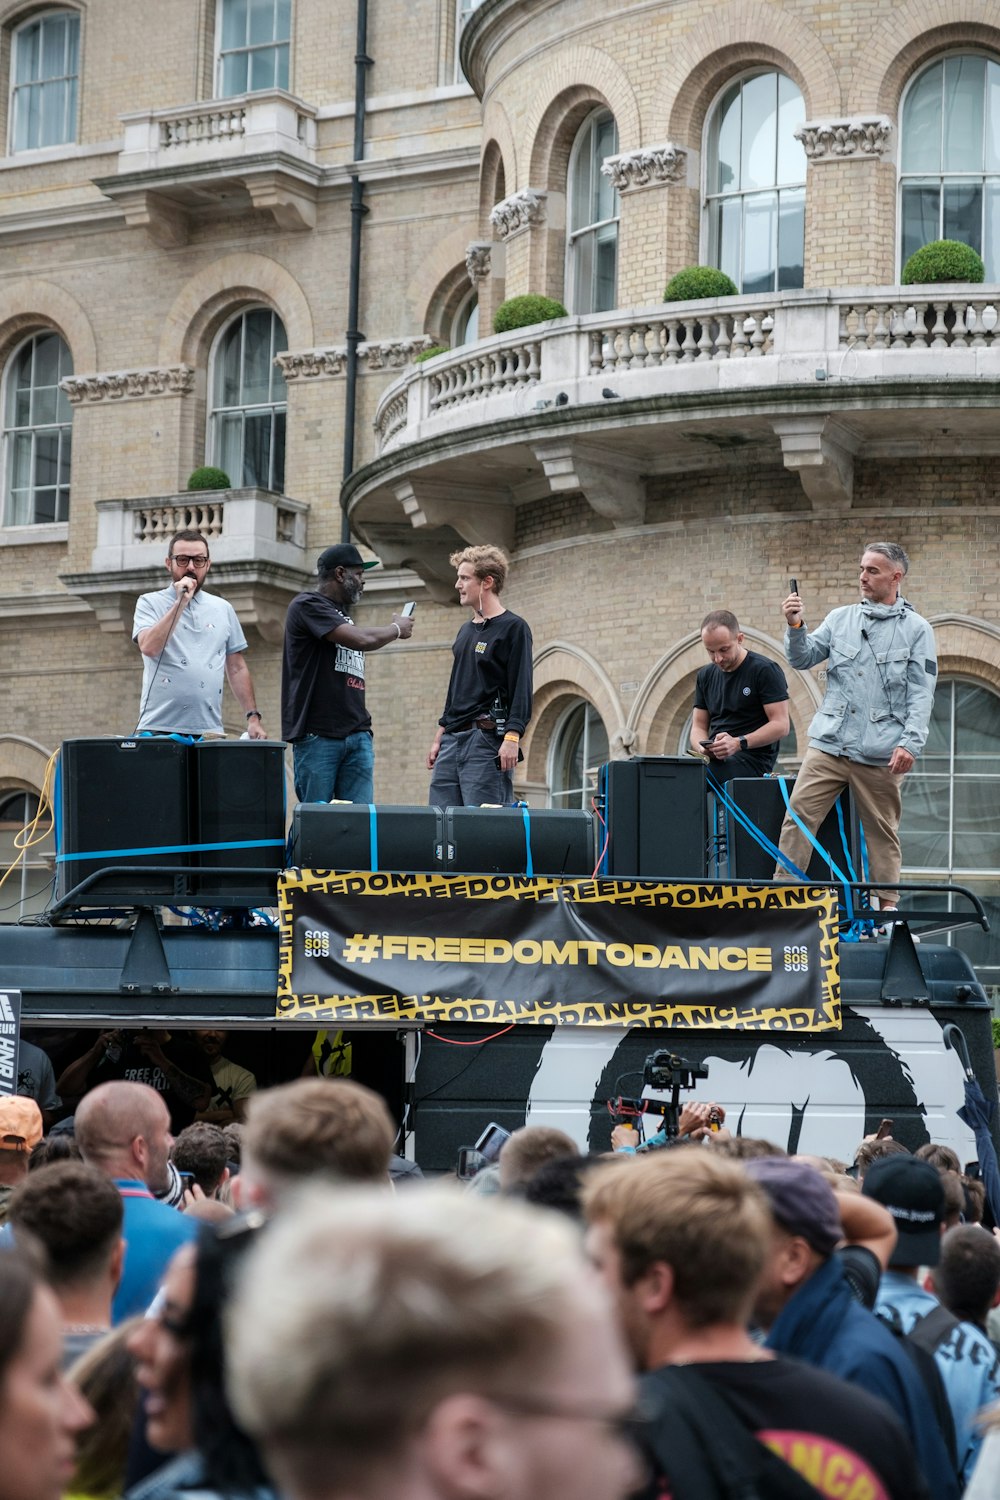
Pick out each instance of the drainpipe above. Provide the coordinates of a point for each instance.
(358, 210)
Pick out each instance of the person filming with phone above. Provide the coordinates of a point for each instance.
(881, 671)
(740, 703)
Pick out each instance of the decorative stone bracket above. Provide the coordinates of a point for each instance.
(478, 258)
(174, 380)
(834, 140)
(648, 167)
(479, 521)
(821, 451)
(521, 211)
(610, 481)
(385, 354)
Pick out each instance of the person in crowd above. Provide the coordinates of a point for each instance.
(173, 1066)
(20, 1133)
(105, 1377)
(559, 1184)
(966, 1279)
(191, 641)
(323, 712)
(913, 1193)
(881, 671)
(805, 1303)
(310, 1127)
(233, 1084)
(740, 703)
(58, 1145)
(76, 1214)
(201, 1153)
(942, 1157)
(477, 744)
(453, 1348)
(872, 1150)
(123, 1130)
(682, 1238)
(526, 1150)
(234, 1143)
(178, 1349)
(41, 1413)
(36, 1079)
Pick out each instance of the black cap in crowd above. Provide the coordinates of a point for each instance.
(342, 555)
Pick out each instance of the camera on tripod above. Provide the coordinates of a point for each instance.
(668, 1073)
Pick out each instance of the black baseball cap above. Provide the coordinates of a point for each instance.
(913, 1193)
(343, 555)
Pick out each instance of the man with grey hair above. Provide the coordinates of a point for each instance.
(881, 671)
(432, 1346)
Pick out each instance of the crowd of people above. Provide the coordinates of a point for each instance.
(708, 1320)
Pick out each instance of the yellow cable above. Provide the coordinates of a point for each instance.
(30, 835)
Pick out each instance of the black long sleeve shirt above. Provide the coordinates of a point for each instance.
(491, 673)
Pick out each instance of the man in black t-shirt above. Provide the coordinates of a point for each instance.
(173, 1066)
(477, 744)
(740, 703)
(681, 1238)
(323, 713)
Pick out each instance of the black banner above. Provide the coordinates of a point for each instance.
(359, 947)
(10, 1038)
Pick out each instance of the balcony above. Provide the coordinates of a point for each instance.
(596, 405)
(257, 541)
(215, 159)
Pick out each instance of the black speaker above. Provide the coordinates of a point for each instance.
(349, 836)
(655, 812)
(759, 799)
(116, 800)
(238, 797)
(498, 841)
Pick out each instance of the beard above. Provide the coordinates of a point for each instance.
(353, 588)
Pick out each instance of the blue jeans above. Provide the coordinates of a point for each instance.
(329, 770)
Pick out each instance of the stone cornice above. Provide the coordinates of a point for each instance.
(648, 167)
(173, 380)
(477, 260)
(833, 140)
(521, 211)
(325, 364)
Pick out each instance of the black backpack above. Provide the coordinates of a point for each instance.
(924, 1338)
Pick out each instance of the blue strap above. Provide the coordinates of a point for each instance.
(529, 864)
(751, 828)
(845, 845)
(372, 836)
(835, 870)
(170, 849)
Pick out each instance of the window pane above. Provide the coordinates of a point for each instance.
(922, 123)
(278, 453)
(606, 206)
(281, 68)
(583, 273)
(256, 357)
(262, 69)
(46, 459)
(234, 24)
(964, 79)
(791, 239)
(53, 48)
(606, 269)
(759, 225)
(227, 367)
(229, 446)
(992, 159)
(283, 24)
(257, 449)
(977, 832)
(963, 213)
(261, 17)
(234, 74)
(246, 377)
(758, 158)
(791, 114)
(923, 826)
(921, 210)
(725, 147)
(20, 474)
(730, 220)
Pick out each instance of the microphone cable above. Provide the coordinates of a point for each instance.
(878, 667)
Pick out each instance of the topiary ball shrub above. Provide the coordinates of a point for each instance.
(521, 312)
(208, 477)
(995, 1024)
(695, 282)
(943, 260)
(418, 359)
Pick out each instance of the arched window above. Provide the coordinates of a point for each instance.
(755, 184)
(254, 38)
(45, 70)
(579, 744)
(465, 323)
(37, 433)
(949, 182)
(28, 889)
(949, 829)
(592, 243)
(248, 401)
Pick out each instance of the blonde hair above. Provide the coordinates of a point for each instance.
(487, 562)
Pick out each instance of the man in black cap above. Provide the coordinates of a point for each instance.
(970, 1371)
(323, 713)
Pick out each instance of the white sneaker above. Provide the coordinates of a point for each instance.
(885, 929)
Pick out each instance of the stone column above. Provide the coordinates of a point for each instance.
(850, 201)
(653, 193)
(531, 225)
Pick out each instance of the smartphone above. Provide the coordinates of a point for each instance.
(408, 609)
(491, 1140)
(187, 1178)
(885, 1129)
(704, 743)
(793, 585)
(470, 1161)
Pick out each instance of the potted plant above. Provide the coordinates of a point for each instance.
(208, 477)
(523, 311)
(943, 260)
(695, 282)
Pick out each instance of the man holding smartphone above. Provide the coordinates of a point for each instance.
(740, 703)
(323, 713)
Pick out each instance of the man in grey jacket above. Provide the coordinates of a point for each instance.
(872, 724)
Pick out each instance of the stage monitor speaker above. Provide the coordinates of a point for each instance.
(115, 799)
(238, 797)
(349, 836)
(655, 811)
(495, 841)
(759, 799)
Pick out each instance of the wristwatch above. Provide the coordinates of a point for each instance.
(253, 714)
(743, 742)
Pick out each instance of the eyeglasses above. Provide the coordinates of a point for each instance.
(197, 562)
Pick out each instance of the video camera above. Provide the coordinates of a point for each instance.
(665, 1071)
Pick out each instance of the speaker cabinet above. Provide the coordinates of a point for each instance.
(348, 836)
(238, 797)
(496, 841)
(655, 811)
(115, 800)
(759, 799)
